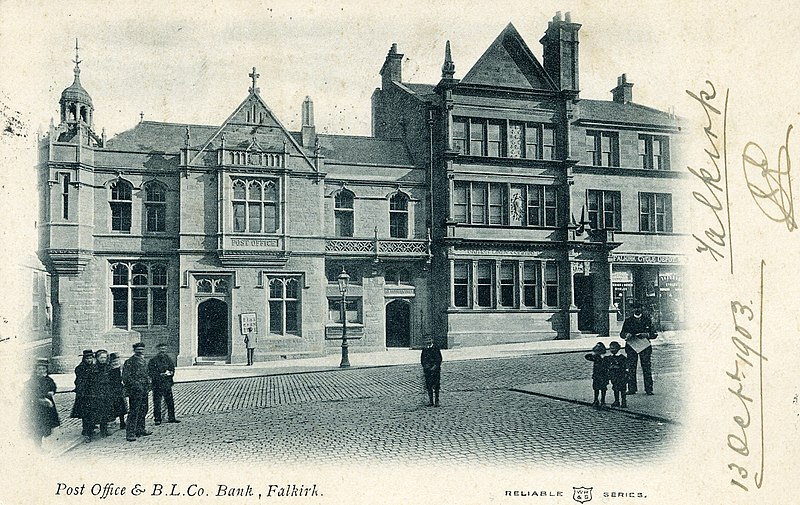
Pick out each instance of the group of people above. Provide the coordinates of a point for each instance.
(102, 383)
(620, 369)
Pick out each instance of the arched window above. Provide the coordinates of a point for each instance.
(398, 216)
(255, 204)
(343, 213)
(155, 207)
(120, 203)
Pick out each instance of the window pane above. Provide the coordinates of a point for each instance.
(343, 223)
(238, 190)
(276, 317)
(548, 143)
(159, 306)
(254, 191)
(155, 193)
(479, 203)
(291, 289)
(120, 307)
(535, 205)
(139, 277)
(496, 206)
(343, 200)
(238, 217)
(460, 204)
(460, 135)
(507, 284)
(120, 275)
(485, 283)
(270, 192)
(476, 135)
(398, 225)
(270, 218)
(532, 141)
(461, 284)
(292, 324)
(276, 289)
(139, 305)
(254, 217)
(493, 135)
(551, 284)
(159, 275)
(529, 288)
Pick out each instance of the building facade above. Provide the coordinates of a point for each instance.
(500, 207)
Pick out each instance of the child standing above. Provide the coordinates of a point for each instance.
(617, 373)
(599, 373)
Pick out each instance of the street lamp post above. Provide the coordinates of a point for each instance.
(343, 281)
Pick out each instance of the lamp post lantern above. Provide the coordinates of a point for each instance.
(343, 281)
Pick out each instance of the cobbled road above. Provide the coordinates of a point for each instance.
(371, 414)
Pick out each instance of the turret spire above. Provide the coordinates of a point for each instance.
(448, 67)
(77, 61)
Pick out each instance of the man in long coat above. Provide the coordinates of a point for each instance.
(82, 408)
(637, 331)
(431, 360)
(137, 385)
(162, 370)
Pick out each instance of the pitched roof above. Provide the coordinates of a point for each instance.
(423, 91)
(156, 136)
(606, 111)
(508, 62)
(368, 150)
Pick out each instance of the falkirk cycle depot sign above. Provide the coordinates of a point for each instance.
(661, 259)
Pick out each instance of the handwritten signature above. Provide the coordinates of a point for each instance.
(774, 194)
(748, 350)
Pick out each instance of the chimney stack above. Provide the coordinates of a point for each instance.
(392, 69)
(560, 48)
(308, 131)
(623, 93)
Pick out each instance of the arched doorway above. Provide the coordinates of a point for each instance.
(212, 328)
(398, 324)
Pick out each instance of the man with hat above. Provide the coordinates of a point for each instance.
(162, 370)
(637, 331)
(431, 360)
(82, 408)
(137, 384)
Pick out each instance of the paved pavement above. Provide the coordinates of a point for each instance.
(379, 412)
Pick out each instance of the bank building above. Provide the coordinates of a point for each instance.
(495, 207)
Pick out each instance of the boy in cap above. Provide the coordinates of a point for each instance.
(599, 373)
(617, 373)
(431, 359)
(137, 384)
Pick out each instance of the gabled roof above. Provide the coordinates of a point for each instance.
(604, 111)
(422, 91)
(509, 63)
(156, 136)
(367, 150)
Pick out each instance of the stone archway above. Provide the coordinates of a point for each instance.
(212, 329)
(398, 324)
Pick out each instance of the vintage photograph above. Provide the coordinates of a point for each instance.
(259, 246)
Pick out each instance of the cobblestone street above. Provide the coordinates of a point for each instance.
(380, 414)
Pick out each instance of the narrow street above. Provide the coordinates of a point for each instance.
(380, 414)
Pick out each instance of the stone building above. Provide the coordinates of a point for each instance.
(499, 207)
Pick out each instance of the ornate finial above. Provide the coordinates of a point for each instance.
(141, 116)
(188, 136)
(448, 67)
(77, 62)
(254, 76)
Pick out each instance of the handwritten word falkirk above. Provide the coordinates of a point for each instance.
(712, 174)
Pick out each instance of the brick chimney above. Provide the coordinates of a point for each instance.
(623, 93)
(392, 69)
(308, 131)
(560, 51)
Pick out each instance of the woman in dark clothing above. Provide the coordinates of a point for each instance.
(120, 406)
(100, 393)
(43, 416)
(82, 409)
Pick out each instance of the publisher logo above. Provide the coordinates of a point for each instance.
(582, 494)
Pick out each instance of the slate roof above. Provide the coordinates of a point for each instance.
(370, 150)
(613, 112)
(161, 137)
(423, 91)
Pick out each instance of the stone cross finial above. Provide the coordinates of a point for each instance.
(141, 116)
(254, 76)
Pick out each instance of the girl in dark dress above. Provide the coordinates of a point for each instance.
(82, 409)
(120, 406)
(100, 394)
(43, 416)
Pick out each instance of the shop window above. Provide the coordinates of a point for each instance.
(653, 152)
(284, 305)
(120, 203)
(655, 212)
(343, 213)
(604, 209)
(398, 216)
(255, 206)
(139, 294)
(155, 207)
(461, 284)
(602, 148)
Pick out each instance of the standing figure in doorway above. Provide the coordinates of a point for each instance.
(137, 385)
(637, 331)
(82, 408)
(431, 360)
(162, 370)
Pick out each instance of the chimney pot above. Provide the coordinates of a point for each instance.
(568, 17)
